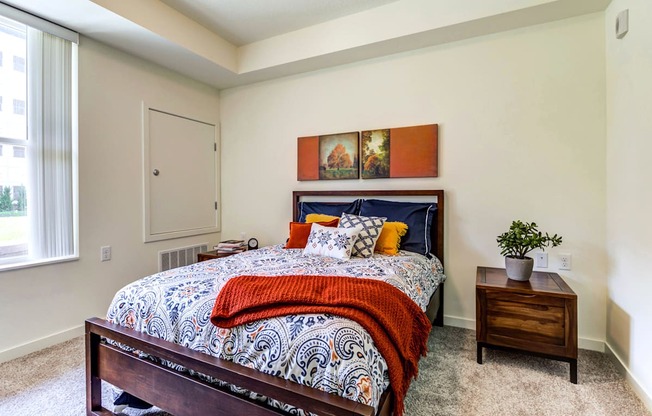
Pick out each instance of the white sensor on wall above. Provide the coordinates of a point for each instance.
(622, 23)
(105, 253)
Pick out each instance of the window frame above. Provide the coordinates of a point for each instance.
(28, 260)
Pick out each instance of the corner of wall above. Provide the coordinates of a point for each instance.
(640, 391)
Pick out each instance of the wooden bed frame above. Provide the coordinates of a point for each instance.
(181, 394)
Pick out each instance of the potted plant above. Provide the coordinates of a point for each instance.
(522, 238)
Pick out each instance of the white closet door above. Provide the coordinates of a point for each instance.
(181, 176)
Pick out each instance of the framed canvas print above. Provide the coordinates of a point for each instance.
(332, 156)
(404, 152)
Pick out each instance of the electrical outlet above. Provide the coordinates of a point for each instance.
(105, 253)
(565, 261)
(541, 260)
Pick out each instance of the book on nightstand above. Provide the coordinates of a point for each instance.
(230, 246)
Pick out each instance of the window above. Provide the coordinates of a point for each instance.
(19, 64)
(0, 58)
(19, 107)
(0, 102)
(38, 199)
(0, 150)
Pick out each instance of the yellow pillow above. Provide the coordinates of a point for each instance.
(320, 218)
(390, 238)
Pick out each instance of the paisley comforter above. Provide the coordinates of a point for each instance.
(327, 352)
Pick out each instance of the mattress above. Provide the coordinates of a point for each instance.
(323, 351)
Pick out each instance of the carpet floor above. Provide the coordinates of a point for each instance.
(450, 382)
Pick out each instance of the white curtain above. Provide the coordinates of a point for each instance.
(50, 145)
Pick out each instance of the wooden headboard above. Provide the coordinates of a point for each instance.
(437, 229)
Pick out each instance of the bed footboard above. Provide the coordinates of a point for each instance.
(182, 394)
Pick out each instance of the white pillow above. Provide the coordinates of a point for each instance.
(331, 242)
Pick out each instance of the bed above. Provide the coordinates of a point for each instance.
(188, 385)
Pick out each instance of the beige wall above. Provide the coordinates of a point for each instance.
(522, 135)
(629, 193)
(51, 302)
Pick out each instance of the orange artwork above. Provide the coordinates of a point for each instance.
(308, 158)
(405, 152)
(413, 152)
(333, 156)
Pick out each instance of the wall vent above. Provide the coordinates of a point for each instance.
(177, 257)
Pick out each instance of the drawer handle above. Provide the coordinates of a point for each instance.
(524, 296)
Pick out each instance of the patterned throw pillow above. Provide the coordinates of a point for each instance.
(331, 242)
(371, 228)
(299, 232)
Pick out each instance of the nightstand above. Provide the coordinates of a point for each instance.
(538, 316)
(213, 254)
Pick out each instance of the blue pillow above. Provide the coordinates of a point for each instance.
(417, 216)
(328, 208)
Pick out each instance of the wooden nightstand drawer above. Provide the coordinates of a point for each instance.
(523, 298)
(515, 317)
(526, 321)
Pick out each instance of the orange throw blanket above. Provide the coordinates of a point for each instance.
(397, 325)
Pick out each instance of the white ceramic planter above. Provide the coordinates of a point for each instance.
(519, 269)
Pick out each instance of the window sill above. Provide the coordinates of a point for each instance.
(35, 263)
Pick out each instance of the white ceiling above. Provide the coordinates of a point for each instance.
(227, 43)
(246, 21)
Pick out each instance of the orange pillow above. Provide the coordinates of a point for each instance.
(390, 238)
(300, 231)
(321, 218)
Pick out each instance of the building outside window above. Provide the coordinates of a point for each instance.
(19, 107)
(14, 227)
(19, 64)
(19, 151)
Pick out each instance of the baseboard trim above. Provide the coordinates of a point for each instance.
(458, 322)
(584, 343)
(640, 391)
(591, 344)
(39, 344)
